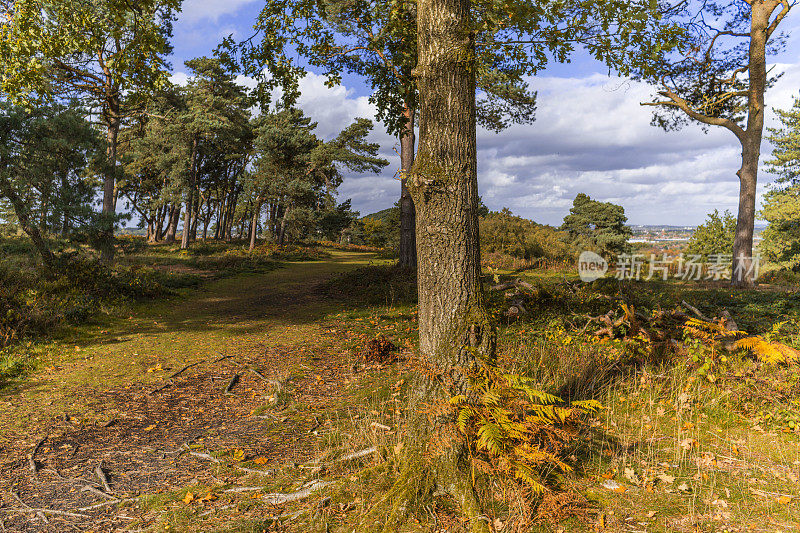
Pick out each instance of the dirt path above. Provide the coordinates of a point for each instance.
(108, 401)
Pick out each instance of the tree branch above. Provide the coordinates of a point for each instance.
(678, 102)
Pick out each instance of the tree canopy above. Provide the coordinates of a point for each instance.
(602, 224)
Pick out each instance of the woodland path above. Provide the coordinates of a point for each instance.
(96, 403)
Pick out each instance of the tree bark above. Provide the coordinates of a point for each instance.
(254, 223)
(187, 220)
(743, 271)
(26, 224)
(112, 122)
(172, 225)
(408, 241)
(160, 215)
(454, 327)
(282, 229)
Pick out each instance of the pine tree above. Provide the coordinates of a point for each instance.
(44, 155)
(601, 224)
(108, 52)
(785, 141)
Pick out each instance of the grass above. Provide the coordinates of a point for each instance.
(684, 454)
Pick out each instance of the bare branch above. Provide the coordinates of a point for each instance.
(785, 7)
(678, 102)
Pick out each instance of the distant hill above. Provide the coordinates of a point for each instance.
(382, 215)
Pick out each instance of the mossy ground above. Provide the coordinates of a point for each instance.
(684, 454)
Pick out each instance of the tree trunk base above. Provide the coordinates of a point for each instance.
(435, 461)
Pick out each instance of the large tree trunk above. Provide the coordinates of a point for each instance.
(282, 229)
(112, 121)
(160, 214)
(187, 221)
(172, 225)
(254, 223)
(408, 241)
(743, 271)
(454, 327)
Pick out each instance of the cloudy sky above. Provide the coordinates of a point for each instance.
(590, 135)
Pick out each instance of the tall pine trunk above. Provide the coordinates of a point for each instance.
(254, 223)
(172, 224)
(408, 241)
(743, 271)
(112, 123)
(187, 220)
(454, 327)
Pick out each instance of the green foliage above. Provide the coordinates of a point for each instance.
(96, 48)
(514, 39)
(600, 225)
(781, 209)
(296, 173)
(46, 154)
(515, 429)
(332, 223)
(383, 232)
(34, 303)
(785, 142)
(503, 232)
(714, 236)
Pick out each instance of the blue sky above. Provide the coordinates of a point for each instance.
(591, 135)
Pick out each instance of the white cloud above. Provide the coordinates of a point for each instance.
(591, 135)
(197, 10)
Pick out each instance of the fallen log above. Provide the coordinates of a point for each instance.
(278, 498)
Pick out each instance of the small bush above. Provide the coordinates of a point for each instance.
(375, 285)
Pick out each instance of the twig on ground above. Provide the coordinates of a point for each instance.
(243, 489)
(40, 514)
(695, 310)
(356, 455)
(32, 456)
(232, 383)
(274, 382)
(89, 488)
(109, 502)
(259, 472)
(204, 456)
(41, 511)
(278, 498)
(103, 478)
(217, 360)
(206, 513)
(174, 375)
(184, 369)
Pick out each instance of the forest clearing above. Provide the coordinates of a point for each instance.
(147, 394)
(362, 266)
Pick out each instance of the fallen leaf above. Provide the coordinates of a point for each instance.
(397, 448)
(238, 455)
(783, 500)
(683, 487)
(631, 476)
(613, 485)
(651, 514)
(687, 444)
(260, 460)
(209, 497)
(665, 478)
(189, 498)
